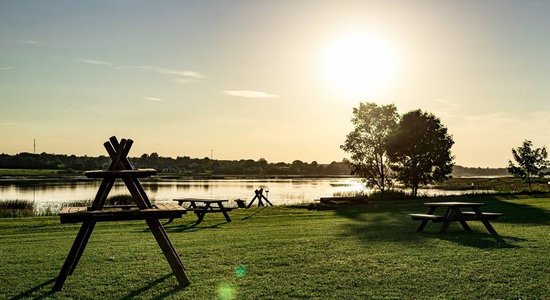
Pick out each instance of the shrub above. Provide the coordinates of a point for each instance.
(389, 195)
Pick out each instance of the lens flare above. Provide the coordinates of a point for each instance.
(240, 271)
(226, 291)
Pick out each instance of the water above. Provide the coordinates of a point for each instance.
(281, 191)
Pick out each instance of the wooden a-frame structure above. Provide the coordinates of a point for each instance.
(120, 168)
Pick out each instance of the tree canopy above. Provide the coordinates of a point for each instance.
(531, 162)
(373, 124)
(420, 150)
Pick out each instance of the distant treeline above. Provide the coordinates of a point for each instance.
(182, 166)
(186, 166)
(459, 171)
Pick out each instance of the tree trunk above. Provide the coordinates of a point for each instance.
(414, 190)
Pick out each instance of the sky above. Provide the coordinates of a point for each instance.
(269, 79)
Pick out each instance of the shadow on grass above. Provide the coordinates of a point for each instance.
(190, 227)
(28, 294)
(151, 286)
(253, 214)
(515, 212)
(388, 221)
(39, 291)
(480, 240)
(387, 228)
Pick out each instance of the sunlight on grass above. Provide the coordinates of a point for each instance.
(226, 291)
(352, 252)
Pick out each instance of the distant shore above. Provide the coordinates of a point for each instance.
(501, 183)
(40, 176)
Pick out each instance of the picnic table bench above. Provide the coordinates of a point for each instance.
(455, 214)
(120, 213)
(201, 207)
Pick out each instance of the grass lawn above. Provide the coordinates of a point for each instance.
(360, 252)
(28, 172)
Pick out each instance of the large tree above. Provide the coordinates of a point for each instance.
(373, 124)
(420, 150)
(531, 162)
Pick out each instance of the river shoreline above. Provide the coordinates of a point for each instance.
(164, 177)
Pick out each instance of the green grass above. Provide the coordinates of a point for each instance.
(500, 184)
(28, 172)
(361, 252)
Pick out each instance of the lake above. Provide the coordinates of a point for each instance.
(281, 191)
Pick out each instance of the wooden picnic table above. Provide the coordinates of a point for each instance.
(203, 206)
(454, 213)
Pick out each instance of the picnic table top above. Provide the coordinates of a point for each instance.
(455, 204)
(201, 200)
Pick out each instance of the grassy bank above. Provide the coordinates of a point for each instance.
(499, 184)
(360, 252)
(28, 172)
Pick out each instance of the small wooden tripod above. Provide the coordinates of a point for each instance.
(259, 195)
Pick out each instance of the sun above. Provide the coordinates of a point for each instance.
(358, 64)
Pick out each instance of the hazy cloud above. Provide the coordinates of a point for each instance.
(152, 99)
(27, 42)
(184, 76)
(448, 104)
(6, 124)
(180, 73)
(184, 80)
(94, 62)
(6, 68)
(250, 94)
(494, 118)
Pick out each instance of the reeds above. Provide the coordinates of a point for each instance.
(17, 208)
(77, 203)
(27, 208)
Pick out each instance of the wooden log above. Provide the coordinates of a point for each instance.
(78, 247)
(169, 251)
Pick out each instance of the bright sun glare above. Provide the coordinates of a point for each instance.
(358, 64)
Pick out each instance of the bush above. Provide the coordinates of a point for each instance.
(389, 195)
